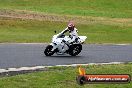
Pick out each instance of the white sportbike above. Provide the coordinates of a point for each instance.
(61, 47)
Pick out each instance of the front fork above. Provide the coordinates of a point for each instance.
(54, 46)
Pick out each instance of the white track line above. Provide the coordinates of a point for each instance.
(42, 67)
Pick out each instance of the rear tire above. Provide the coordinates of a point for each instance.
(48, 51)
(75, 49)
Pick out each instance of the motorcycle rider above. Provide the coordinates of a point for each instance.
(73, 33)
(62, 44)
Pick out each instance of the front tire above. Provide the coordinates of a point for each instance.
(75, 49)
(48, 51)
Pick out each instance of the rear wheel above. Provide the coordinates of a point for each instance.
(75, 49)
(48, 51)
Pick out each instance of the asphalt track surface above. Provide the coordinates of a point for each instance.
(26, 55)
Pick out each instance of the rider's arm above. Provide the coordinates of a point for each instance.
(63, 32)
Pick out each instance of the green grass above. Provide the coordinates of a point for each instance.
(64, 77)
(103, 29)
(18, 30)
(100, 8)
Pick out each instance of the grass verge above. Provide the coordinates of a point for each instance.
(64, 77)
(22, 30)
(97, 8)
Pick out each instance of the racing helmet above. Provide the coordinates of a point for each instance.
(71, 26)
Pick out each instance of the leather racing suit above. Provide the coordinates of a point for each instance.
(72, 34)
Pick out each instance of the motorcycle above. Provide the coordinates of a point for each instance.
(61, 47)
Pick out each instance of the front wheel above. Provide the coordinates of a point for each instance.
(48, 51)
(75, 49)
